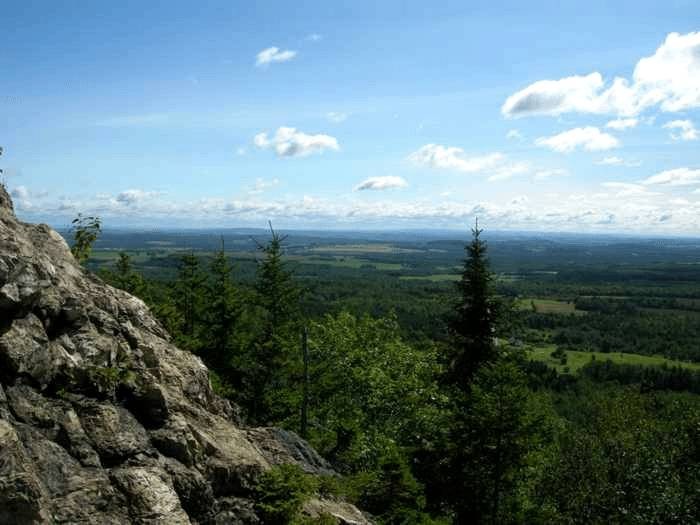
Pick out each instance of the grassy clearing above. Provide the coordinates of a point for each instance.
(362, 248)
(548, 306)
(345, 262)
(575, 359)
(436, 278)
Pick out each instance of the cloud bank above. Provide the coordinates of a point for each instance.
(669, 79)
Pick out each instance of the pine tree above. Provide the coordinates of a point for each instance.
(188, 291)
(222, 312)
(128, 279)
(473, 324)
(271, 376)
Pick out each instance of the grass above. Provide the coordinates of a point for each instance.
(575, 359)
(436, 277)
(548, 306)
(362, 248)
(345, 262)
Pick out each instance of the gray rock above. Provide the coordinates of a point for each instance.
(102, 419)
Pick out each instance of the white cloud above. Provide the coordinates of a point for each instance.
(289, 142)
(496, 165)
(262, 185)
(620, 207)
(336, 116)
(133, 197)
(273, 54)
(589, 138)
(628, 189)
(617, 161)
(548, 174)
(388, 182)
(453, 158)
(514, 134)
(622, 124)
(670, 78)
(686, 129)
(314, 37)
(240, 151)
(509, 170)
(675, 177)
(20, 192)
(611, 161)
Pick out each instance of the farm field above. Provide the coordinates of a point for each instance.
(575, 359)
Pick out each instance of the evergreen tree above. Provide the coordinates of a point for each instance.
(473, 324)
(496, 429)
(188, 299)
(272, 373)
(128, 279)
(222, 312)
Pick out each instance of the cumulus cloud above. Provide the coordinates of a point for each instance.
(261, 185)
(133, 197)
(628, 189)
(514, 134)
(289, 142)
(388, 182)
(272, 55)
(617, 161)
(496, 165)
(670, 79)
(589, 138)
(622, 124)
(686, 130)
(453, 158)
(314, 37)
(337, 116)
(675, 177)
(20, 192)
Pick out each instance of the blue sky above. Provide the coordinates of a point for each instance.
(553, 116)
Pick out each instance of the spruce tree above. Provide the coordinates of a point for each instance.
(188, 291)
(271, 378)
(128, 279)
(222, 312)
(472, 326)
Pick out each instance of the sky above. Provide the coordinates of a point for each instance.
(539, 116)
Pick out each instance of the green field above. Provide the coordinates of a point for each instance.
(575, 359)
(548, 306)
(436, 278)
(362, 248)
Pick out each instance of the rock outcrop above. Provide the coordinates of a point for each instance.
(102, 419)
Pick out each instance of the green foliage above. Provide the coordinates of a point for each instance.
(623, 457)
(369, 389)
(188, 301)
(473, 325)
(270, 368)
(222, 313)
(496, 429)
(85, 230)
(281, 493)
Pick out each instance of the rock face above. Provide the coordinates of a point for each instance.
(102, 419)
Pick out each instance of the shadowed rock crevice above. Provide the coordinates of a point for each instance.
(102, 419)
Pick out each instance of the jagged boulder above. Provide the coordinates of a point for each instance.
(102, 419)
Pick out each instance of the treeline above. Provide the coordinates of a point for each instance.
(454, 429)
